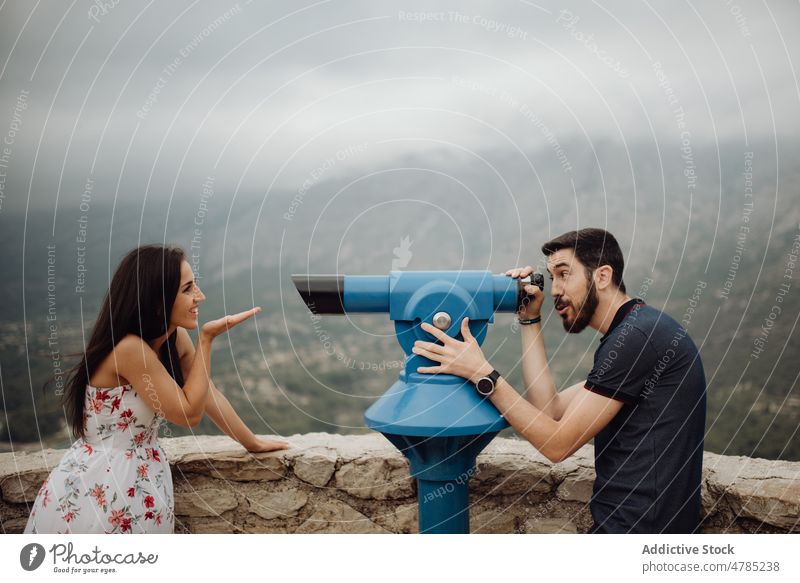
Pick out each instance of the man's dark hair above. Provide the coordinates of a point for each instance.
(593, 248)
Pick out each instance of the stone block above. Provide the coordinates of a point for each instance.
(381, 477)
(577, 486)
(493, 521)
(334, 516)
(510, 474)
(315, 466)
(205, 502)
(549, 526)
(270, 505)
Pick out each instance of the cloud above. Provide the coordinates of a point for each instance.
(262, 93)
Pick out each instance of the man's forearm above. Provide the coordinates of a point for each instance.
(223, 415)
(536, 426)
(540, 389)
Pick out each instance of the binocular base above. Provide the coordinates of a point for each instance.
(442, 467)
(428, 406)
(441, 424)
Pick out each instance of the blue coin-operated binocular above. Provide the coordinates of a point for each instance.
(439, 422)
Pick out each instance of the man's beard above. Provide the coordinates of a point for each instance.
(585, 312)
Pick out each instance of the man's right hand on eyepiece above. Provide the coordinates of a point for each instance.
(532, 306)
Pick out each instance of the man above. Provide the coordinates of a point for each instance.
(643, 402)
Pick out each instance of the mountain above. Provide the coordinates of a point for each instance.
(710, 236)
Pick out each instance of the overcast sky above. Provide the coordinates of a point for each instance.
(157, 96)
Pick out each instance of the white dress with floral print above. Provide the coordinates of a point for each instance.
(114, 480)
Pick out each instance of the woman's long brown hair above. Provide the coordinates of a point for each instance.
(139, 301)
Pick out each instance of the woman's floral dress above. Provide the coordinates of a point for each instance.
(114, 480)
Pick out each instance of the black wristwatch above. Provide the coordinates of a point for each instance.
(485, 385)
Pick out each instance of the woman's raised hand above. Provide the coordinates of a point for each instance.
(214, 328)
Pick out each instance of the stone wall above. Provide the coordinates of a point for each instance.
(361, 484)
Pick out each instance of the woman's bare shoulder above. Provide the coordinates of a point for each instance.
(183, 342)
(107, 373)
(130, 344)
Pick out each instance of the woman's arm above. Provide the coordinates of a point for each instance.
(136, 361)
(220, 410)
(139, 364)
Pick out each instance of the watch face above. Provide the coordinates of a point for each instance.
(485, 386)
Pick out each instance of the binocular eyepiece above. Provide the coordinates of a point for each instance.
(536, 279)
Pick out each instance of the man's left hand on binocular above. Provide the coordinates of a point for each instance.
(464, 359)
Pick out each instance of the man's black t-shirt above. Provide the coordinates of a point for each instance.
(649, 458)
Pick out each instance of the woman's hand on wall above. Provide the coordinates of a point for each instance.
(260, 445)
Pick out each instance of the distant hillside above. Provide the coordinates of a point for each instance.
(705, 254)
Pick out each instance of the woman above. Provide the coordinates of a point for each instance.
(115, 476)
